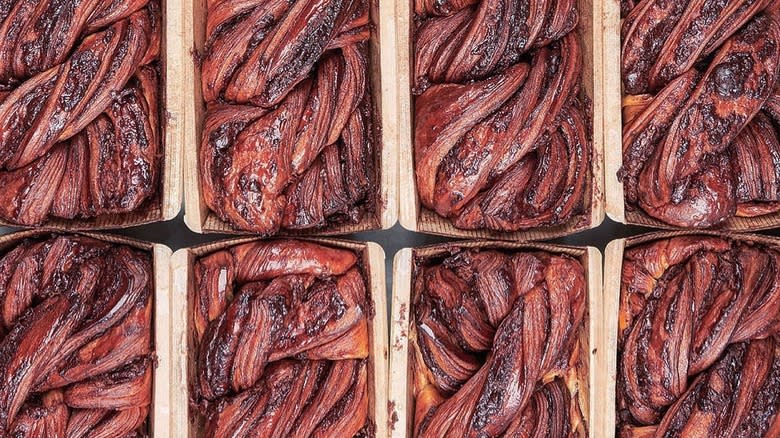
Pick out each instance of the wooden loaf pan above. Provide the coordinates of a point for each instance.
(613, 267)
(613, 139)
(168, 202)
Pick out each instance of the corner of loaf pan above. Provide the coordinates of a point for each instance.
(614, 319)
(405, 357)
(157, 422)
(378, 210)
(755, 206)
(103, 212)
(415, 216)
(187, 418)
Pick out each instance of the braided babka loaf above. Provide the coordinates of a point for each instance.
(497, 339)
(79, 108)
(75, 339)
(281, 340)
(700, 123)
(501, 132)
(698, 344)
(289, 135)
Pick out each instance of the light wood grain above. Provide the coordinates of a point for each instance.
(415, 217)
(174, 63)
(382, 72)
(596, 354)
(195, 210)
(613, 120)
(378, 369)
(606, 374)
(180, 272)
(373, 258)
(407, 189)
(400, 404)
(402, 382)
(389, 113)
(161, 398)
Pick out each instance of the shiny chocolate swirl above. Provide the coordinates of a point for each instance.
(509, 152)
(463, 40)
(497, 340)
(281, 333)
(289, 135)
(79, 108)
(698, 346)
(76, 352)
(664, 39)
(704, 148)
(501, 134)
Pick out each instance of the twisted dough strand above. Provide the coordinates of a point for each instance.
(75, 354)
(258, 51)
(298, 399)
(662, 40)
(696, 311)
(300, 164)
(110, 167)
(509, 152)
(678, 148)
(479, 302)
(289, 136)
(38, 35)
(281, 334)
(80, 134)
(475, 43)
(60, 102)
